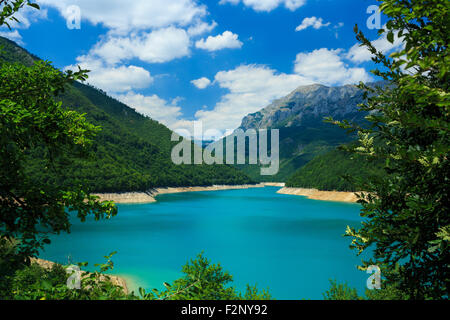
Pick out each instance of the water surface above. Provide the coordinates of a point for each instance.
(289, 244)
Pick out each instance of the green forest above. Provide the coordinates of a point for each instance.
(298, 146)
(130, 153)
(335, 170)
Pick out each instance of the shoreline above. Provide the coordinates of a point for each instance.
(150, 196)
(315, 194)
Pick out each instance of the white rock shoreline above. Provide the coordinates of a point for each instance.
(315, 194)
(149, 197)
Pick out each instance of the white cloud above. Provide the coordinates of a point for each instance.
(114, 79)
(152, 106)
(13, 36)
(125, 16)
(314, 22)
(251, 87)
(201, 83)
(361, 54)
(327, 67)
(158, 46)
(201, 28)
(226, 40)
(268, 5)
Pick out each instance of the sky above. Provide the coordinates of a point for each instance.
(212, 61)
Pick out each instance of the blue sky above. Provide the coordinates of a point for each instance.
(214, 61)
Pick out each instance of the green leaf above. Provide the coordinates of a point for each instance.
(390, 37)
(34, 5)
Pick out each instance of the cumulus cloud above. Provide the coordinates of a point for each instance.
(114, 79)
(158, 46)
(201, 83)
(124, 16)
(153, 106)
(250, 88)
(108, 58)
(267, 5)
(327, 67)
(200, 28)
(314, 22)
(226, 40)
(360, 54)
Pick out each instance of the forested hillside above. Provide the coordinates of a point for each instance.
(329, 171)
(298, 146)
(300, 119)
(130, 153)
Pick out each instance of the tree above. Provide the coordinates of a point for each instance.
(340, 291)
(406, 211)
(204, 281)
(31, 119)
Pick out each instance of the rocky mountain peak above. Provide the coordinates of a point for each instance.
(307, 104)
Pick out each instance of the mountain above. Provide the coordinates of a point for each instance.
(303, 133)
(306, 106)
(131, 153)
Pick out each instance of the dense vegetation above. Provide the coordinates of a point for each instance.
(31, 119)
(406, 211)
(201, 280)
(298, 146)
(131, 152)
(335, 170)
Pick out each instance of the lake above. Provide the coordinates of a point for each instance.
(289, 244)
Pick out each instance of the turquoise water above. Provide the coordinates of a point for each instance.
(289, 244)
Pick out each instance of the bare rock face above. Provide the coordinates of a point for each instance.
(307, 104)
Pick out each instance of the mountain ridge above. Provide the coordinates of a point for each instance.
(304, 135)
(307, 103)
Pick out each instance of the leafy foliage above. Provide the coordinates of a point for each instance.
(407, 210)
(204, 281)
(29, 117)
(34, 282)
(339, 291)
(10, 8)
